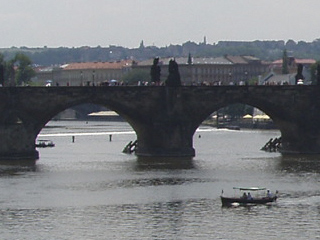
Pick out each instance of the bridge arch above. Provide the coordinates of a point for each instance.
(272, 110)
(48, 116)
(294, 110)
(57, 111)
(215, 103)
(164, 118)
(235, 112)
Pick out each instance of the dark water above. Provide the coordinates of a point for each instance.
(90, 190)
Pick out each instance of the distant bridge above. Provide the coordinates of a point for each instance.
(164, 118)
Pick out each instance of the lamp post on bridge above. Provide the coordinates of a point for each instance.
(246, 77)
(81, 78)
(230, 77)
(93, 74)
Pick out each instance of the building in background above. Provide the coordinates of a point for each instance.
(211, 71)
(275, 76)
(226, 70)
(82, 74)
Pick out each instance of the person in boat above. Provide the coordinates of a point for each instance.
(249, 197)
(269, 194)
(244, 196)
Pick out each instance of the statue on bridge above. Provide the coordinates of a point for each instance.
(318, 74)
(299, 77)
(173, 79)
(1, 74)
(155, 72)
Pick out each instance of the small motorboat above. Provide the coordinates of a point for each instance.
(44, 143)
(247, 199)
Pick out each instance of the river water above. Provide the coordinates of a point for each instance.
(88, 189)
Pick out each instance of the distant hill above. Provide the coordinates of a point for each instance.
(265, 50)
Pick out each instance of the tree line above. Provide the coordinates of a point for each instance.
(16, 71)
(265, 50)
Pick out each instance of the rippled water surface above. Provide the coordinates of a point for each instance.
(90, 190)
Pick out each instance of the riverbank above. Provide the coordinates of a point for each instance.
(237, 125)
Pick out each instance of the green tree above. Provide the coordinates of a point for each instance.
(253, 81)
(25, 71)
(314, 73)
(136, 75)
(9, 73)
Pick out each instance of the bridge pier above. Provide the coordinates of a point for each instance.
(168, 130)
(300, 139)
(165, 139)
(17, 143)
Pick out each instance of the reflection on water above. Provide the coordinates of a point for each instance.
(157, 163)
(14, 170)
(300, 163)
(18, 162)
(147, 182)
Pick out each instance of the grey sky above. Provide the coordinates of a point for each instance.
(54, 23)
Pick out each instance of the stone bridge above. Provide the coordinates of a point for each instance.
(164, 118)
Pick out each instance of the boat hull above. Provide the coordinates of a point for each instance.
(227, 201)
(44, 144)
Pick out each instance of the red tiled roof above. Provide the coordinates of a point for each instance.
(297, 60)
(98, 65)
(279, 61)
(305, 61)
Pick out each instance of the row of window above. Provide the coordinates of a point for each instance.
(227, 71)
(91, 77)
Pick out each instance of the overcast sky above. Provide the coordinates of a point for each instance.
(75, 23)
